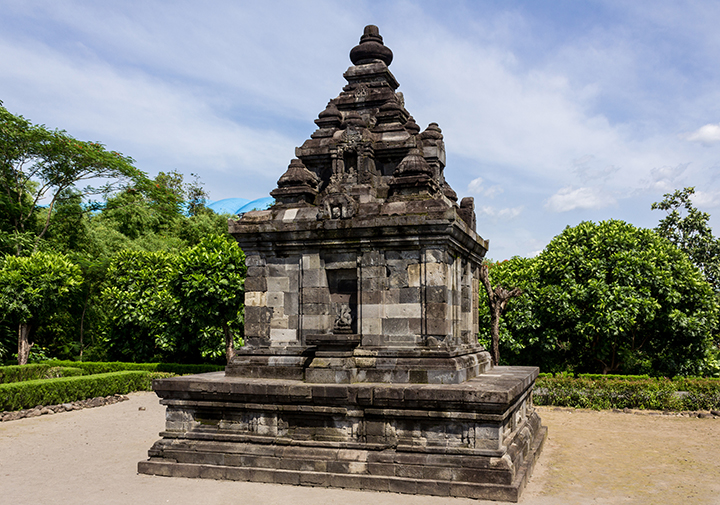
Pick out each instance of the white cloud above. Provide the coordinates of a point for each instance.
(506, 213)
(162, 126)
(705, 199)
(587, 169)
(707, 135)
(476, 187)
(667, 178)
(567, 199)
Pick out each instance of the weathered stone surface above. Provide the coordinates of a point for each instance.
(483, 433)
(361, 367)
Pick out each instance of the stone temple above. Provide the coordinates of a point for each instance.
(361, 367)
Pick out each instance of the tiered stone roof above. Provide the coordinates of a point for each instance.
(367, 147)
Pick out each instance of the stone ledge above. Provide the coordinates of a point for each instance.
(313, 466)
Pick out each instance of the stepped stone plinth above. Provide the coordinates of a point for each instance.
(361, 367)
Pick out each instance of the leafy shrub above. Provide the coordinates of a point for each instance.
(635, 392)
(17, 373)
(95, 367)
(28, 394)
(607, 298)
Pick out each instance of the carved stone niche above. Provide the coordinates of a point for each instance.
(338, 206)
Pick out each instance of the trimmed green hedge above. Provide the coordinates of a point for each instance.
(635, 392)
(31, 393)
(17, 373)
(94, 367)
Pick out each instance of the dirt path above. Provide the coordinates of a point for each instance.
(90, 456)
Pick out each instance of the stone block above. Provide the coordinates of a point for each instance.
(436, 294)
(315, 324)
(256, 272)
(412, 256)
(435, 256)
(316, 309)
(291, 303)
(436, 274)
(286, 477)
(395, 327)
(256, 284)
(437, 327)
(436, 310)
(275, 299)
(391, 296)
(414, 278)
(381, 468)
(311, 262)
(372, 311)
(409, 295)
(402, 310)
(397, 275)
(372, 258)
(371, 326)
(280, 335)
(372, 284)
(278, 283)
(279, 323)
(277, 270)
(316, 295)
(371, 298)
(255, 299)
(415, 326)
(409, 471)
(400, 485)
(346, 481)
(294, 282)
(376, 272)
(254, 260)
(434, 487)
(314, 279)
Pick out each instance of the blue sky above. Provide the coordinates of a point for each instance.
(553, 112)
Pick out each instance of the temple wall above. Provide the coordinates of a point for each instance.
(397, 298)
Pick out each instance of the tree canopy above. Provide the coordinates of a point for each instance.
(33, 289)
(38, 165)
(689, 229)
(609, 298)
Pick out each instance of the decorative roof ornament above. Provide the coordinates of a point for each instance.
(413, 164)
(296, 184)
(371, 48)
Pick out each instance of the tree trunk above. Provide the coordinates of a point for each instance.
(229, 343)
(495, 333)
(82, 328)
(24, 344)
(497, 299)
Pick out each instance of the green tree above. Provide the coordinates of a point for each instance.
(38, 165)
(689, 229)
(140, 305)
(610, 298)
(209, 286)
(32, 290)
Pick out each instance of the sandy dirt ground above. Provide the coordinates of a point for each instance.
(90, 456)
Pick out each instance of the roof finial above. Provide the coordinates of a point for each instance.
(371, 48)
